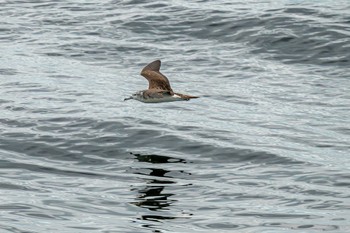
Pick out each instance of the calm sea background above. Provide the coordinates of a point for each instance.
(265, 149)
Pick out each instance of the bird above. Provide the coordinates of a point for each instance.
(159, 89)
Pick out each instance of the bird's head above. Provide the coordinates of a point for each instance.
(135, 96)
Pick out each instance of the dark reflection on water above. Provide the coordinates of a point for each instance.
(153, 195)
(158, 159)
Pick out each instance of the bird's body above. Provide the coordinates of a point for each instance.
(159, 89)
(155, 96)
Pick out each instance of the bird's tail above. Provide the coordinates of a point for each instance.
(187, 97)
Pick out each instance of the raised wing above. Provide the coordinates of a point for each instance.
(156, 80)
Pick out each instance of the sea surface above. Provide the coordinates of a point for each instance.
(265, 149)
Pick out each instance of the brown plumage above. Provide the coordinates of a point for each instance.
(158, 81)
(159, 89)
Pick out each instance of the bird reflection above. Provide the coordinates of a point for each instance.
(158, 159)
(152, 196)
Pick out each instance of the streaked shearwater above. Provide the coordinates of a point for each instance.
(159, 89)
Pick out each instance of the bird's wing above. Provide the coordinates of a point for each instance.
(156, 80)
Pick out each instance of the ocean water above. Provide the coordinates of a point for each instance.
(266, 147)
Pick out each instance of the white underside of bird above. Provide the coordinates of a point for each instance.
(166, 98)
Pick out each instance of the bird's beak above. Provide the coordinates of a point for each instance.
(130, 98)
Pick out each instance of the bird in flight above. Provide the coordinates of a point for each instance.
(159, 89)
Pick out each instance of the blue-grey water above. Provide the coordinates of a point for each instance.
(265, 149)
